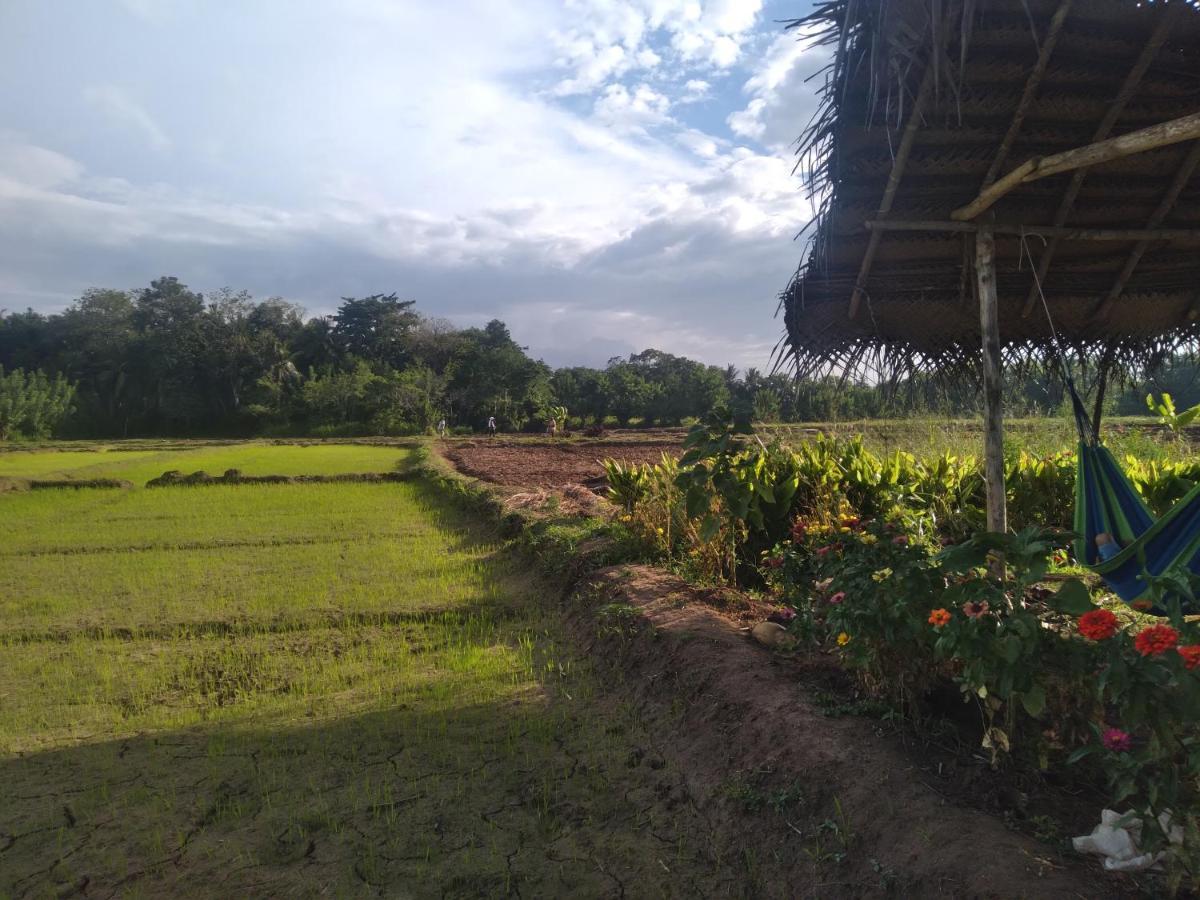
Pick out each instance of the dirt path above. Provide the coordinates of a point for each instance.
(823, 806)
(528, 463)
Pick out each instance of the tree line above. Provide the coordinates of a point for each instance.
(167, 360)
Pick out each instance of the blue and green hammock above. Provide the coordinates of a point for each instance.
(1106, 502)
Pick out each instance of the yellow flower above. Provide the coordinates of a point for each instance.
(869, 539)
(659, 530)
(881, 575)
(843, 639)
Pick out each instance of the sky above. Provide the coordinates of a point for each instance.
(603, 175)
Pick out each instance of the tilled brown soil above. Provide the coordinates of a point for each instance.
(817, 806)
(529, 463)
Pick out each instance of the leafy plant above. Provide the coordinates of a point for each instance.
(628, 483)
(1164, 408)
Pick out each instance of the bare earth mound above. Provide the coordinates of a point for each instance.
(526, 463)
(825, 806)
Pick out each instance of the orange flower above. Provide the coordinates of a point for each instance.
(1191, 655)
(939, 617)
(1098, 625)
(1156, 640)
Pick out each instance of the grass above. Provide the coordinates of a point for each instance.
(926, 437)
(306, 690)
(257, 458)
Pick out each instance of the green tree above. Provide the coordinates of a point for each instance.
(32, 405)
(375, 328)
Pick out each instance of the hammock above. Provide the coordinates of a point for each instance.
(1106, 502)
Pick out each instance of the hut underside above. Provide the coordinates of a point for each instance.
(928, 103)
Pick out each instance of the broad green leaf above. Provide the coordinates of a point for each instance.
(1073, 599)
(1082, 752)
(1034, 700)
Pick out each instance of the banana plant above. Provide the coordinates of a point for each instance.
(1174, 421)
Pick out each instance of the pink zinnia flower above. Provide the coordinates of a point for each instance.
(1116, 740)
(973, 609)
(837, 598)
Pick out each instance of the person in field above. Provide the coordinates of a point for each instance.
(551, 427)
(491, 425)
(441, 429)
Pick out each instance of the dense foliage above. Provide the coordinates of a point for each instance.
(168, 360)
(883, 561)
(32, 405)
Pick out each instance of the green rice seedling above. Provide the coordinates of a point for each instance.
(302, 690)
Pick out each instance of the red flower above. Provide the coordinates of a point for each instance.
(900, 539)
(850, 521)
(939, 617)
(837, 598)
(1098, 625)
(774, 562)
(1156, 640)
(799, 530)
(1191, 655)
(1116, 740)
(821, 551)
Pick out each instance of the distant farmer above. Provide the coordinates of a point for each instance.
(442, 428)
(491, 425)
(551, 426)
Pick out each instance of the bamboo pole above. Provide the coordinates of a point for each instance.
(1158, 37)
(1182, 174)
(1163, 134)
(1057, 231)
(889, 192)
(1030, 93)
(989, 324)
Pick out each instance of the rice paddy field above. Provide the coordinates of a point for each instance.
(304, 690)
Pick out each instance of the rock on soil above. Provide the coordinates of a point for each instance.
(825, 806)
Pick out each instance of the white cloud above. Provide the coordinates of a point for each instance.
(748, 122)
(611, 37)
(124, 110)
(452, 152)
(625, 109)
(781, 97)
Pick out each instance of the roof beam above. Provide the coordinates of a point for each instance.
(1163, 134)
(893, 182)
(1190, 160)
(1030, 93)
(1057, 232)
(1128, 88)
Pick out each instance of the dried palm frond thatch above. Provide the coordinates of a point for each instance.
(926, 102)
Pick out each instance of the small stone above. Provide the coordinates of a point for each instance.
(771, 634)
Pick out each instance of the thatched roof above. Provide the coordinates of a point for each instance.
(1087, 70)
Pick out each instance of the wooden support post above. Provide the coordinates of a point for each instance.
(989, 324)
(1106, 361)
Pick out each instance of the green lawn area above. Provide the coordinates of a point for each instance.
(307, 690)
(253, 458)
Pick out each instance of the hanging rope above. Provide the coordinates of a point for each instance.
(1087, 431)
